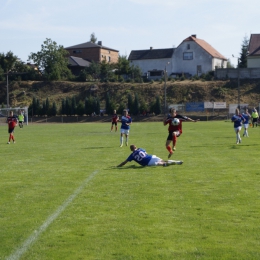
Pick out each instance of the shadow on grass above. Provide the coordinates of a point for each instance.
(98, 147)
(126, 167)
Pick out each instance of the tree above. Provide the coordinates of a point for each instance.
(52, 61)
(93, 38)
(67, 107)
(108, 104)
(80, 108)
(130, 103)
(123, 65)
(47, 106)
(229, 65)
(93, 70)
(242, 63)
(73, 106)
(54, 109)
(136, 105)
(7, 61)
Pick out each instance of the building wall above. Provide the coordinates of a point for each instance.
(253, 62)
(244, 73)
(89, 53)
(109, 55)
(200, 58)
(153, 64)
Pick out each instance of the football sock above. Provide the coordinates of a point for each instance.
(121, 139)
(174, 139)
(169, 148)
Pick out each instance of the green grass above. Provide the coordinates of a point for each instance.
(62, 176)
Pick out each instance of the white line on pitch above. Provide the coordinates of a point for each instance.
(34, 236)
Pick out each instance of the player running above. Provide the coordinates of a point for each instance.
(114, 120)
(174, 130)
(140, 156)
(247, 117)
(12, 122)
(126, 121)
(238, 120)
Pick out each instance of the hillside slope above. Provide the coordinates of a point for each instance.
(22, 93)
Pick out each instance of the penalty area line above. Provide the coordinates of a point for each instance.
(34, 236)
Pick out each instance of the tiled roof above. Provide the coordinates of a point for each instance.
(151, 54)
(207, 47)
(75, 61)
(89, 45)
(254, 45)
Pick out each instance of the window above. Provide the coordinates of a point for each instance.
(109, 58)
(77, 51)
(188, 55)
(188, 46)
(198, 69)
(156, 73)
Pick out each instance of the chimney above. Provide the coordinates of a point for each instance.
(99, 43)
(194, 35)
(151, 48)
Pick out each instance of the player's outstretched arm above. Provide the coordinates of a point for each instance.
(122, 164)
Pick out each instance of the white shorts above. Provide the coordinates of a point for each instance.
(124, 131)
(154, 161)
(237, 129)
(246, 126)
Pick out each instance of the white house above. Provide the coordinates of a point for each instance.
(253, 58)
(192, 57)
(152, 62)
(195, 56)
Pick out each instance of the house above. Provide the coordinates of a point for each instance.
(152, 62)
(192, 57)
(195, 56)
(93, 52)
(253, 58)
(77, 64)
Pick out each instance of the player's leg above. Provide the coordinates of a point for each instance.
(121, 139)
(126, 139)
(168, 146)
(115, 127)
(111, 127)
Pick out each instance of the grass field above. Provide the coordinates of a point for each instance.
(61, 196)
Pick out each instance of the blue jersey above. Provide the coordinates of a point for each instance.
(126, 120)
(140, 156)
(247, 117)
(238, 120)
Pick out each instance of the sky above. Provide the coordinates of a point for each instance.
(127, 25)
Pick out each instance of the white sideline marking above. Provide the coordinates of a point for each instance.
(34, 236)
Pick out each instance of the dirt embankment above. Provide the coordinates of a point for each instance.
(22, 93)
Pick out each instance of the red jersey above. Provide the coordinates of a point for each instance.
(114, 118)
(12, 121)
(178, 127)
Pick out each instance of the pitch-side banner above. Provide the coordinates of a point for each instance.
(219, 105)
(195, 106)
(216, 105)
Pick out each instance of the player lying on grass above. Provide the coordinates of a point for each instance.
(140, 156)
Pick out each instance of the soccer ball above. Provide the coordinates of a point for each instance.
(175, 121)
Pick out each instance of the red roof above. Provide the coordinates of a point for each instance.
(254, 45)
(207, 47)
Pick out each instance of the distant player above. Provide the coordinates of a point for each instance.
(114, 120)
(247, 117)
(126, 121)
(12, 122)
(20, 119)
(255, 117)
(174, 130)
(238, 120)
(140, 156)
